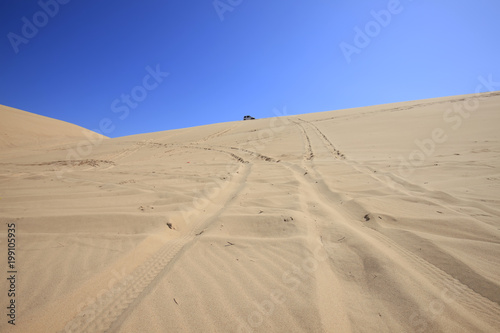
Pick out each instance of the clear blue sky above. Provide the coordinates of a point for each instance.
(243, 57)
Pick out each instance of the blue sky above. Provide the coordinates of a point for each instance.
(229, 58)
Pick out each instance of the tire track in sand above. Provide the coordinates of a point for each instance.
(217, 134)
(328, 144)
(100, 315)
(405, 187)
(309, 152)
(461, 293)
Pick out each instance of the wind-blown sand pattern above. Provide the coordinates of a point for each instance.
(376, 219)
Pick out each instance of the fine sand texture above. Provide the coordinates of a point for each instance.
(374, 219)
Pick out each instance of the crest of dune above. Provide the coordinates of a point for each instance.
(24, 129)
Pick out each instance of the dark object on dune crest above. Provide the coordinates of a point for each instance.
(248, 118)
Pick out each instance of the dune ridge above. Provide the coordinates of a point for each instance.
(30, 131)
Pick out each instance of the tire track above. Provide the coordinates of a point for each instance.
(126, 151)
(116, 185)
(151, 143)
(467, 296)
(217, 279)
(236, 157)
(309, 152)
(216, 148)
(460, 292)
(262, 157)
(328, 144)
(190, 271)
(217, 134)
(99, 316)
(249, 152)
(464, 296)
(407, 188)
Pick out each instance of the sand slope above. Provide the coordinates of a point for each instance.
(378, 219)
(30, 132)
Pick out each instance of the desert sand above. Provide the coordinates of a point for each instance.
(373, 219)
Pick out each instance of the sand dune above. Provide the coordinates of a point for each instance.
(376, 219)
(31, 132)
